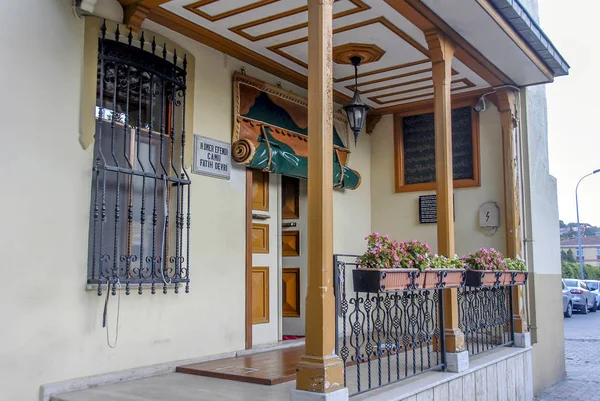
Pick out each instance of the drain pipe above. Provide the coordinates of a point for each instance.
(525, 183)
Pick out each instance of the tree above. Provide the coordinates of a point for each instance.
(570, 256)
(562, 224)
(563, 255)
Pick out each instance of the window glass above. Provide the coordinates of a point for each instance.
(571, 283)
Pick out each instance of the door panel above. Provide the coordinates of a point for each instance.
(294, 249)
(260, 295)
(265, 262)
(291, 292)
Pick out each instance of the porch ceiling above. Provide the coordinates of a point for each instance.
(398, 68)
(272, 35)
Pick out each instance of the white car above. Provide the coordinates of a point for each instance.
(594, 286)
(583, 299)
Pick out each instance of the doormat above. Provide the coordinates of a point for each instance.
(287, 338)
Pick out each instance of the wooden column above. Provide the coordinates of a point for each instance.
(507, 106)
(441, 51)
(320, 369)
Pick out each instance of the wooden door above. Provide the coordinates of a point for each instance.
(293, 255)
(264, 277)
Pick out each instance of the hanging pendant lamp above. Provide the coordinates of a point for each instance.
(356, 110)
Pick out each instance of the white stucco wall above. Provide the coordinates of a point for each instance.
(397, 214)
(51, 327)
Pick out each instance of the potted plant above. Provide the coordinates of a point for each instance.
(399, 266)
(489, 268)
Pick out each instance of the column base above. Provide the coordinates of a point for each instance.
(301, 395)
(457, 362)
(523, 340)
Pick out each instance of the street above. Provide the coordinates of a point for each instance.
(582, 353)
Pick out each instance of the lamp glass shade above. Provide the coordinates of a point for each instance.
(356, 111)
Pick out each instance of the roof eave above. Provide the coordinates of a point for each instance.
(520, 19)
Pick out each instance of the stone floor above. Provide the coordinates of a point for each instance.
(582, 353)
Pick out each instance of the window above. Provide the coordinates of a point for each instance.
(414, 149)
(597, 251)
(571, 283)
(140, 210)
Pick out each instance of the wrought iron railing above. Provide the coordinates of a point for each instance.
(385, 337)
(485, 317)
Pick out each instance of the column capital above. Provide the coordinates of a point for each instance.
(440, 47)
(321, 2)
(507, 100)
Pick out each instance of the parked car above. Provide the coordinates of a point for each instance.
(567, 300)
(594, 286)
(583, 299)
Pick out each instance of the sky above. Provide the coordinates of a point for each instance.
(574, 107)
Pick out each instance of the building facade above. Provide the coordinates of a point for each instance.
(63, 213)
(590, 247)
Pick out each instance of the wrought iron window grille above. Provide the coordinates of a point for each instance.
(140, 205)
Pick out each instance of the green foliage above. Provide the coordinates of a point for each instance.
(571, 270)
(570, 256)
(443, 262)
(562, 224)
(515, 264)
(563, 255)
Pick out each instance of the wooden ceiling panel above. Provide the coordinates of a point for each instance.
(276, 30)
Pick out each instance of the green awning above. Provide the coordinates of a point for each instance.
(271, 133)
(279, 158)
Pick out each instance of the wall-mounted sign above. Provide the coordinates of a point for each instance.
(428, 209)
(211, 157)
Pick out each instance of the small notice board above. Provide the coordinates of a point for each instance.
(211, 157)
(428, 209)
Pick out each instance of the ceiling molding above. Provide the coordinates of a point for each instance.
(382, 70)
(368, 53)
(194, 7)
(277, 49)
(241, 29)
(426, 106)
(377, 99)
(224, 45)
(263, 34)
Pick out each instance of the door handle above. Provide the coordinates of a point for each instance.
(288, 225)
(260, 216)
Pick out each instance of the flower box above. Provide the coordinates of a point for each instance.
(493, 278)
(389, 280)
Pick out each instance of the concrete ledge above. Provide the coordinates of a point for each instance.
(523, 340)
(457, 362)
(82, 383)
(427, 381)
(339, 395)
